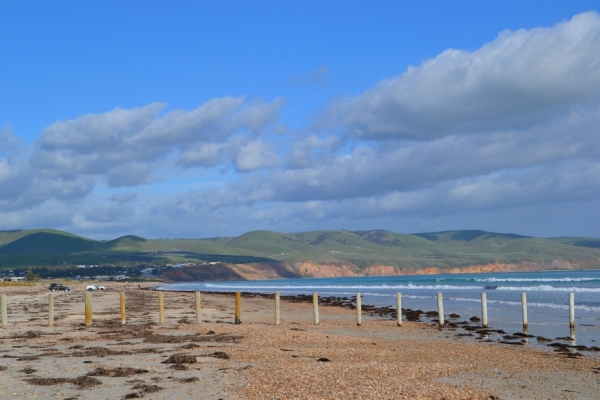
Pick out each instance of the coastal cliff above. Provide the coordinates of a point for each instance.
(330, 269)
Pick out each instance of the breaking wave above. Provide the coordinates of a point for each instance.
(342, 287)
(537, 279)
(550, 288)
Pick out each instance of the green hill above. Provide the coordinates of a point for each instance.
(48, 243)
(361, 249)
(12, 235)
(126, 243)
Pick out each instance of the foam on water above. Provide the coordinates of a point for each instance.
(320, 287)
(537, 279)
(549, 288)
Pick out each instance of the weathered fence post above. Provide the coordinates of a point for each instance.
(277, 308)
(399, 309)
(88, 309)
(572, 315)
(484, 310)
(50, 310)
(238, 308)
(122, 302)
(316, 308)
(524, 306)
(3, 310)
(440, 309)
(161, 308)
(358, 310)
(198, 308)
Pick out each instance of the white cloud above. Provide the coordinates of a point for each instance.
(515, 81)
(256, 155)
(126, 146)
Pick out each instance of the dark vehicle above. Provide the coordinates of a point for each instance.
(57, 287)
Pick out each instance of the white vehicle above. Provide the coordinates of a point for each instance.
(93, 286)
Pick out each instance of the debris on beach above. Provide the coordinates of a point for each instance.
(118, 372)
(83, 382)
(180, 359)
(220, 354)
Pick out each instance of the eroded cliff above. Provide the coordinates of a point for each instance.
(336, 268)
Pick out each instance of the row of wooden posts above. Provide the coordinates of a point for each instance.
(238, 309)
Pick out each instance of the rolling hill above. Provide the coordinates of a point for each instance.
(267, 254)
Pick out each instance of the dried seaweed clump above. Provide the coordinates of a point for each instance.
(180, 359)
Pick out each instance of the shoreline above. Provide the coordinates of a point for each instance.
(548, 303)
(257, 359)
(466, 329)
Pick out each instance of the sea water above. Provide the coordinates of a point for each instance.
(547, 296)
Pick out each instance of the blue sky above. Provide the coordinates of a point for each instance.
(183, 119)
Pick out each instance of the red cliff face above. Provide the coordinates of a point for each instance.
(310, 269)
(329, 269)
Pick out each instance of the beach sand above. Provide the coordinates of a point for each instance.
(256, 359)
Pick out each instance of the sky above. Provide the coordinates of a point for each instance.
(189, 119)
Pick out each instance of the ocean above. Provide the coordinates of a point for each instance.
(547, 296)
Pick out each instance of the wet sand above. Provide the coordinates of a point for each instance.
(258, 360)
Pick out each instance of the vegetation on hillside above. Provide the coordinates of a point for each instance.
(362, 249)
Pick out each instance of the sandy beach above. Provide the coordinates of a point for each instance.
(256, 359)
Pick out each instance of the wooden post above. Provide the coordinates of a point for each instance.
(238, 308)
(316, 308)
(277, 308)
(122, 301)
(3, 310)
(161, 308)
(572, 315)
(198, 308)
(399, 309)
(484, 310)
(50, 310)
(358, 310)
(440, 309)
(524, 306)
(88, 309)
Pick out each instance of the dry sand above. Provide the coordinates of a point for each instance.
(257, 360)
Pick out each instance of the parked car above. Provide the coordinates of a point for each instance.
(57, 287)
(93, 286)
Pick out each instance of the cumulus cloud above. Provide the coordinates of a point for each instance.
(375, 169)
(128, 148)
(515, 81)
(311, 150)
(125, 145)
(256, 155)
